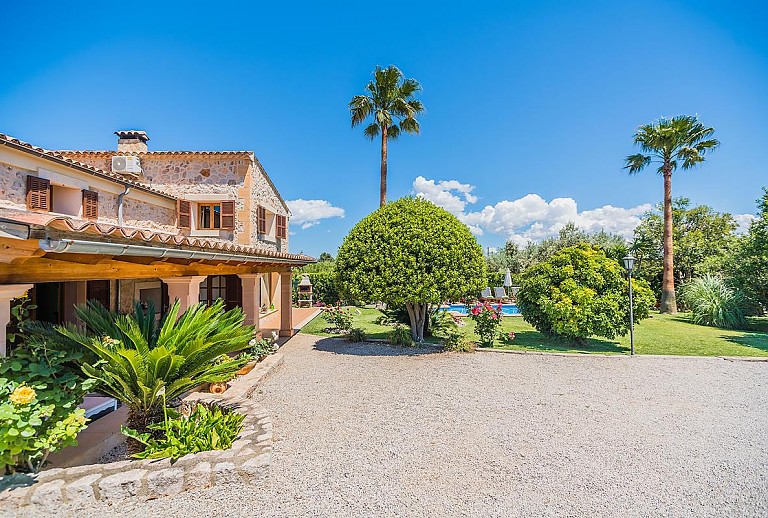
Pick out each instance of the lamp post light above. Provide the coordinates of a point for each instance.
(629, 264)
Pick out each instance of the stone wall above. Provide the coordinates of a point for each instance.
(264, 194)
(13, 187)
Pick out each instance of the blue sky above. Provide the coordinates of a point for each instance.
(531, 106)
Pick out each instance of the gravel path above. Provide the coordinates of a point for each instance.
(369, 430)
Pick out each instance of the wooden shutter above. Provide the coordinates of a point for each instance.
(185, 214)
(227, 215)
(90, 204)
(282, 228)
(38, 193)
(261, 214)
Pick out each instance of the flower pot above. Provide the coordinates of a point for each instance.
(248, 367)
(218, 387)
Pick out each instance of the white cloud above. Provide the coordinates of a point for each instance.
(309, 213)
(742, 222)
(530, 218)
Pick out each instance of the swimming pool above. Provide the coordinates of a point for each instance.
(506, 309)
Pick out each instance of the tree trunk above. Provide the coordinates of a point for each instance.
(383, 180)
(668, 300)
(417, 313)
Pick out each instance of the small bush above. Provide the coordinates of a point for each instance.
(207, 428)
(357, 334)
(440, 323)
(39, 395)
(339, 318)
(401, 335)
(262, 347)
(714, 303)
(487, 322)
(457, 341)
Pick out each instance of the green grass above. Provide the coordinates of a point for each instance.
(659, 334)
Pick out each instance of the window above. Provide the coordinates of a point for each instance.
(225, 287)
(261, 215)
(38, 193)
(208, 216)
(282, 227)
(90, 204)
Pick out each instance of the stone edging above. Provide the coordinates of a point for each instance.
(247, 460)
(621, 355)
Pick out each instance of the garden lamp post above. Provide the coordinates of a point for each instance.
(629, 264)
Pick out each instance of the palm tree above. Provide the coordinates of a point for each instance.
(390, 99)
(670, 142)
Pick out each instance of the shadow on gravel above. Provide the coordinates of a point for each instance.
(338, 346)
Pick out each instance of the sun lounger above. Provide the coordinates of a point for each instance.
(486, 294)
(500, 294)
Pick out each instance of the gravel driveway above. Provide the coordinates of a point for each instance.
(369, 430)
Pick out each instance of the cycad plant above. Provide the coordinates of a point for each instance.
(714, 303)
(142, 363)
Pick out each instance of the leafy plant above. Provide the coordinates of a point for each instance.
(410, 253)
(357, 334)
(137, 359)
(457, 341)
(487, 322)
(714, 303)
(440, 323)
(400, 335)
(39, 395)
(339, 318)
(20, 308)
(579, 292)
(262, 347)
(207, 428)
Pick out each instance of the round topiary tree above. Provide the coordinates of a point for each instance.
(412, 253)
(579, 292)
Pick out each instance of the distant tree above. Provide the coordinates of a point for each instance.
(390, 100)
(702, 238)
(748, 266)
(580, 292)
(325, 256)
(412, 253)
(670, 142)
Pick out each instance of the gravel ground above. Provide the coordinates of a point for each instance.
(369, 430)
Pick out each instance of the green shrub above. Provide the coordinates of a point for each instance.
(39, 395)
(357, 334)
(400, 335)
(487, 322)
(457, 341)
(339, 318)
(440, 323)
(207, 428)
(137, 359)
(579, 292)
(262, 347)
(714, 303)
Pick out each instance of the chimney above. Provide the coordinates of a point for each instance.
(131, 141)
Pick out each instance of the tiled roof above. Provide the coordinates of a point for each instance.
(108, 153)
(146, 237)
(60, 158)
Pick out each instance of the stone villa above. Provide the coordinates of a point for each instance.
(134, 224)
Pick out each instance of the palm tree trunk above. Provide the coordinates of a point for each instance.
(383, 184)
(668, 300)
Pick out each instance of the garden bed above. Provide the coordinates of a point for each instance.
(247, 461)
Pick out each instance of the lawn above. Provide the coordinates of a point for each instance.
(659, 334)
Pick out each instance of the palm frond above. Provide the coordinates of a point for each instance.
(637, 162)
(371, 131)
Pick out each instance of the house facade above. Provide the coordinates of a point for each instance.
(138, 225)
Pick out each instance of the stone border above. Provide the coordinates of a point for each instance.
(246, 461)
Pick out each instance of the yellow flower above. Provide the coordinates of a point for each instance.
(23, 395)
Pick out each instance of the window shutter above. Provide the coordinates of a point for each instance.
(185, 214)
(90, 204)
(227, 215)
(38, 193)
(282, 230)
(261, 214)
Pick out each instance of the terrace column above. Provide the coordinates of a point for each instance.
(184, 289)
(251, 286)
(286, 305)
(8, 292)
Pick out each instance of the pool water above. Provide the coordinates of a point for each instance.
(506, 309)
